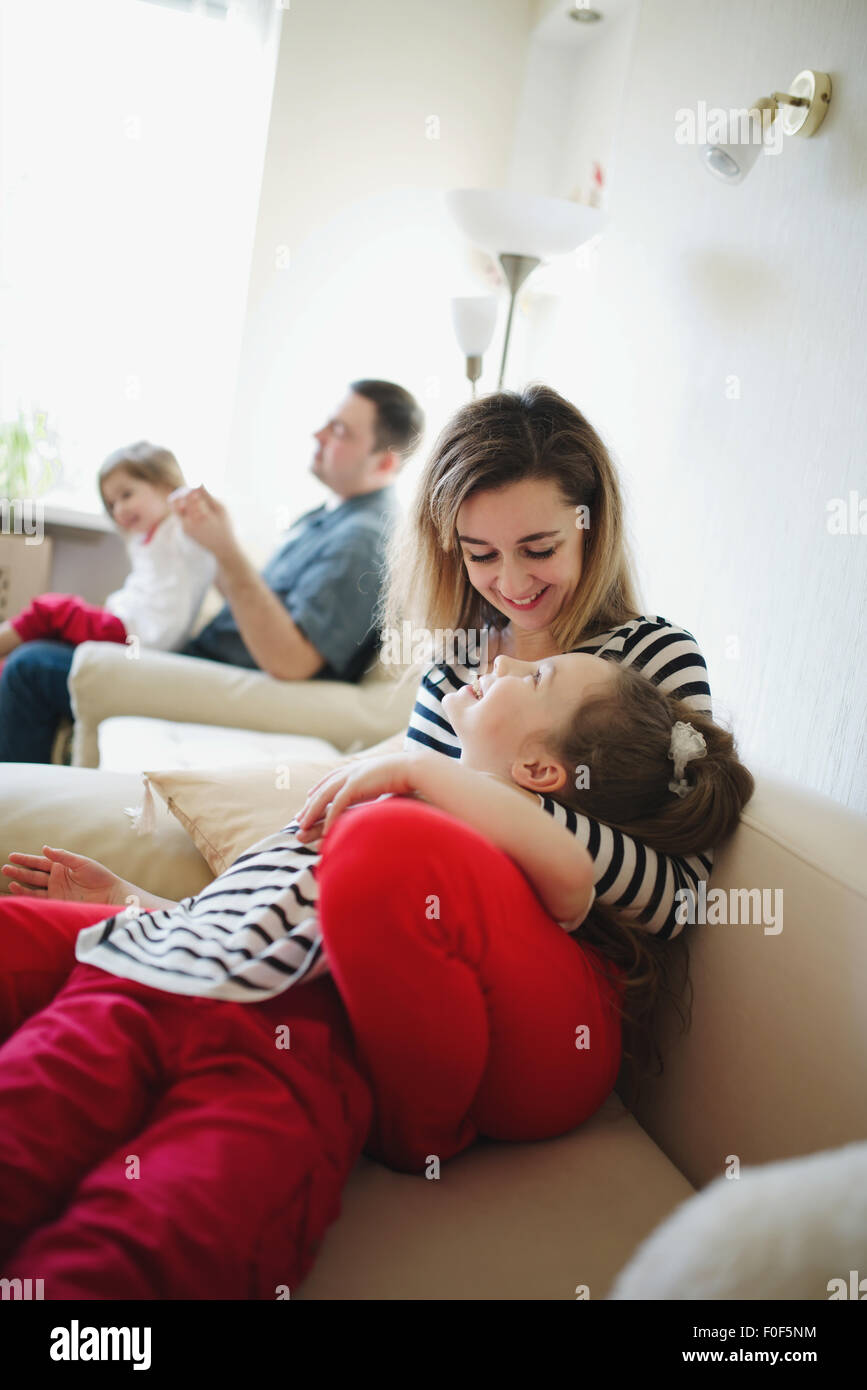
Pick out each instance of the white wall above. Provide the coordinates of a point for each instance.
(355, 258)
(717, 340)
(692, 284)
(571, 99)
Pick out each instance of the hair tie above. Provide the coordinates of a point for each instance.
(686, 743)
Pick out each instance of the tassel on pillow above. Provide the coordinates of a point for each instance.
(143, 817)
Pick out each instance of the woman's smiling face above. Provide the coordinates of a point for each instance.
(522, 550)
(505, 719)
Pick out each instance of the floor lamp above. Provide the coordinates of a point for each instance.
(474, 318)
(534, 228)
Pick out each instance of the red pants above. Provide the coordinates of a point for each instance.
(161, 1146)
(69, 618)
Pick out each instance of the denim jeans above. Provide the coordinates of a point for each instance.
(33, 699)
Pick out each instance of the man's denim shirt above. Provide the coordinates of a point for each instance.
(329, 574)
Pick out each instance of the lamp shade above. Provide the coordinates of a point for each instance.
(522, 224)
(474, 318)
(732, 157)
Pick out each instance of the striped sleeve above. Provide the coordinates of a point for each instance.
(668, 655)
(428, 726)
(249, 935)
(639, 881)
(630, 876)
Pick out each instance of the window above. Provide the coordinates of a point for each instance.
(132, 140)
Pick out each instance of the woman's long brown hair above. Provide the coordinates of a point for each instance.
(510, 437)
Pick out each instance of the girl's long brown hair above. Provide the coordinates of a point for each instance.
(618, 742)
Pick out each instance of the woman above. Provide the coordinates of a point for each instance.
(515, 546)
(461, 1008)
(517, 533)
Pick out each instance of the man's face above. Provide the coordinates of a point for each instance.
(346, 455)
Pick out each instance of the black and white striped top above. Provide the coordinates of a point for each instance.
(628, 874)
(249, 935)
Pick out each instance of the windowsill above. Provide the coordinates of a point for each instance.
(72, 518)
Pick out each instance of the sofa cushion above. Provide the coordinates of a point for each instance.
(83, 809)
(502, 1221)
(228, 809)
(128, 743)
(773, 1066)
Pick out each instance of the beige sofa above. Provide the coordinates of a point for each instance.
(166, 705)
(772, 1067)
(146, 704)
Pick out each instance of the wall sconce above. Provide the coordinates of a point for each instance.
(800, 112)
(474, 318)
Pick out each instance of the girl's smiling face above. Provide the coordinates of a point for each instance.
(522, 550)
(505, 719)
(134, 504)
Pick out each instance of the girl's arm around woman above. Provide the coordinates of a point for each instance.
(559, 869)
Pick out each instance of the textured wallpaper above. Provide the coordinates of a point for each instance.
(718, 340)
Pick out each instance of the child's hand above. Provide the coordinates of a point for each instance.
(204, 519)
(364, 780)
(58, 873)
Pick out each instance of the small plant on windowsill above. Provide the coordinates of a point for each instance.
(29, 458)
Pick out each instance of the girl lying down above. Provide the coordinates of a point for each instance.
(160, 1139)
(590, 734)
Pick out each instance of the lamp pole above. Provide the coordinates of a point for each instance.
(516, 269)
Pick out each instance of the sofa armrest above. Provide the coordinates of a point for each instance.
(84, 811)
(104, 682)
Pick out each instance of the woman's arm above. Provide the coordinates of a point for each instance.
(556, 864)
(640, 882)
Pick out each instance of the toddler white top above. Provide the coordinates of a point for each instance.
(163, 592)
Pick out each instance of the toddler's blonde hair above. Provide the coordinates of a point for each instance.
(143, 460)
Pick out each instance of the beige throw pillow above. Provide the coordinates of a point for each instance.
(227, 810)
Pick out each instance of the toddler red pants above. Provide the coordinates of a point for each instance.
(68, 618)
(155, 1145)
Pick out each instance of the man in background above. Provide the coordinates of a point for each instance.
(310, 613)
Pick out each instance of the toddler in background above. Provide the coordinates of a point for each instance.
(169, 573)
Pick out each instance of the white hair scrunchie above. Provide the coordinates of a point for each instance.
(686, 743)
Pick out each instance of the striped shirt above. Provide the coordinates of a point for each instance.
(250, 934)
(254, 931)
(627, 875)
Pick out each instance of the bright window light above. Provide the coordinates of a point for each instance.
(132, 141)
